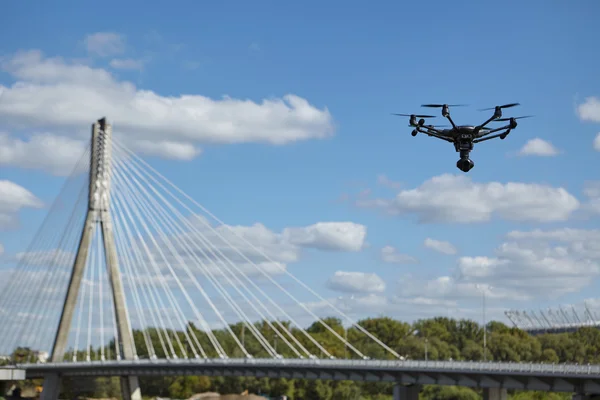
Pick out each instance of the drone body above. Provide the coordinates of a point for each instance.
(463, 136)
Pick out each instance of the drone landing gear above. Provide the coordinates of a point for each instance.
(465, 164)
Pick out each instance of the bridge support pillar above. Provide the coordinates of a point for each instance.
(402, 392)
(130, 388)
(51, 387)
(494, 394)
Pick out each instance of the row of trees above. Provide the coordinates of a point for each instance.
(438, 338)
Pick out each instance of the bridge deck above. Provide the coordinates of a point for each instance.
(524, 376)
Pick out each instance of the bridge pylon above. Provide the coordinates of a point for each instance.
(98, 213)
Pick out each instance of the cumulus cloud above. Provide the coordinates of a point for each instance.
(589, 110)
(592, 191)
(55, 154)
(538, 147)
(356, 282)
(440, 246)
(127, 63)
(541, 263)
(13, 198)
(339, 236)
(57, 93)
(452, 198)
(105, 44)
(527, 266)
(390, 254)
(597, 142)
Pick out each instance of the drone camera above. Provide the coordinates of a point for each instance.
(465, 164)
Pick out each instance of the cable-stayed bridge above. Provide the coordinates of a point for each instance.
(139, 279)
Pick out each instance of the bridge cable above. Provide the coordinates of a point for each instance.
(178, 236)
(166, 288)
(147, 288)
(175, 303)
(171, 300)
(219, 349)
(43, 283)
(159, 214)
(126, 259)
(245, 257)
(186, 222)
(358, 326)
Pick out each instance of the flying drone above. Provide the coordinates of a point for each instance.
(463, 136)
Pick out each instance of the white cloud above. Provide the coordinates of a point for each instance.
(589, 110)
(528, 266)
(538, 263)
(453, 198)
(597, 142)
(53, 92)
(166, 149)
(339, 236)
(592, 191)
(447, 288)
(1, 249)
(356, 282)
(383, 180)
(440, 246)
(538, 147)
(126, 63)
(390, 254)
(55, 154)
(105, 44)
(13, 198)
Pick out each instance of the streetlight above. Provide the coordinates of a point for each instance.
(345, 306)
(484, 289)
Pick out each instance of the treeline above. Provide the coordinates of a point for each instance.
(437, 338)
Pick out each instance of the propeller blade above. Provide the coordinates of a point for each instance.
(508, 119)
(442, 105)
(413, 115)
(432, 126)
(504, 106)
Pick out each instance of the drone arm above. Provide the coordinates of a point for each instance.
(483, 139)
(451, 122)
(493, 117)
(495, 130)
(435, 135)
(429, 130)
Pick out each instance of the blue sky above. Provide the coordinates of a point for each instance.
(358, 63)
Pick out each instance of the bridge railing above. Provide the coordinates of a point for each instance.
(476, 366)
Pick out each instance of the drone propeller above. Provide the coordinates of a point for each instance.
(508, 119)
(504, 106)
(413, 115)
(442, 105)
(433, 126)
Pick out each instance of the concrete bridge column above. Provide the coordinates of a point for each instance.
(51, 387)
(130, 388)
(409, 392)
(494, 394)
